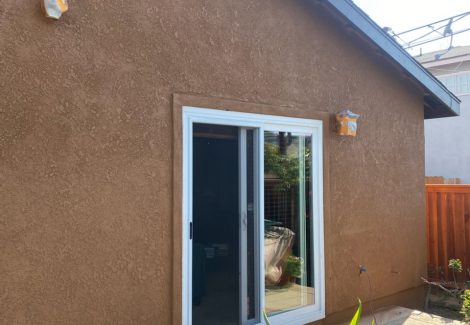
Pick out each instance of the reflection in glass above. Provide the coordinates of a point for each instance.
(287, 237)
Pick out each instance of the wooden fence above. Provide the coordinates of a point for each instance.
(448, 229)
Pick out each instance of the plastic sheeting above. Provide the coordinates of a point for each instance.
(277, 246)
(347, 123)
(54, 8)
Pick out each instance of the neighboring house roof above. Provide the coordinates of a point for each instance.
(438, 100)
(442, 57)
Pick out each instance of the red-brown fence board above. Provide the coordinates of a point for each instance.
(448, 229)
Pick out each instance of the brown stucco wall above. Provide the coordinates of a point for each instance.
(86, 149)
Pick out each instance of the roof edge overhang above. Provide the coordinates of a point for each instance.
(438, 100)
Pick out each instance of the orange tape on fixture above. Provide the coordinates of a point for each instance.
(54, 8)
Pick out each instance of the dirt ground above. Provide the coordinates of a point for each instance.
(442, 304)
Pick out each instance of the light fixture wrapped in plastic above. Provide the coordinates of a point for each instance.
(347, 123)
(54, 8)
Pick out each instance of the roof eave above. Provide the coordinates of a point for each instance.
(439, 101)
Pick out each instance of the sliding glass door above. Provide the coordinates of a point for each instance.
(253, 217)
(225, 226)
(287, 239)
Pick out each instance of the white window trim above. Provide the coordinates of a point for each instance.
(263, 122)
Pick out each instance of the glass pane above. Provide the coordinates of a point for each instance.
(225, 226)
(466, 84)
(215, 269)
(287, 237)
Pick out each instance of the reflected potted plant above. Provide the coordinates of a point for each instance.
(292, 270)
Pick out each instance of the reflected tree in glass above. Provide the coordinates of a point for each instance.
(288, 266)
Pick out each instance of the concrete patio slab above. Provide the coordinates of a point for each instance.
(395, 315)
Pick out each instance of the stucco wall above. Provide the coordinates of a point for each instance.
(86, 191)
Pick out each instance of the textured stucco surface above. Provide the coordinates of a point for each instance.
(86, 134)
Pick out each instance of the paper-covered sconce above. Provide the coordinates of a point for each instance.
(54, 8)
(347, 123)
